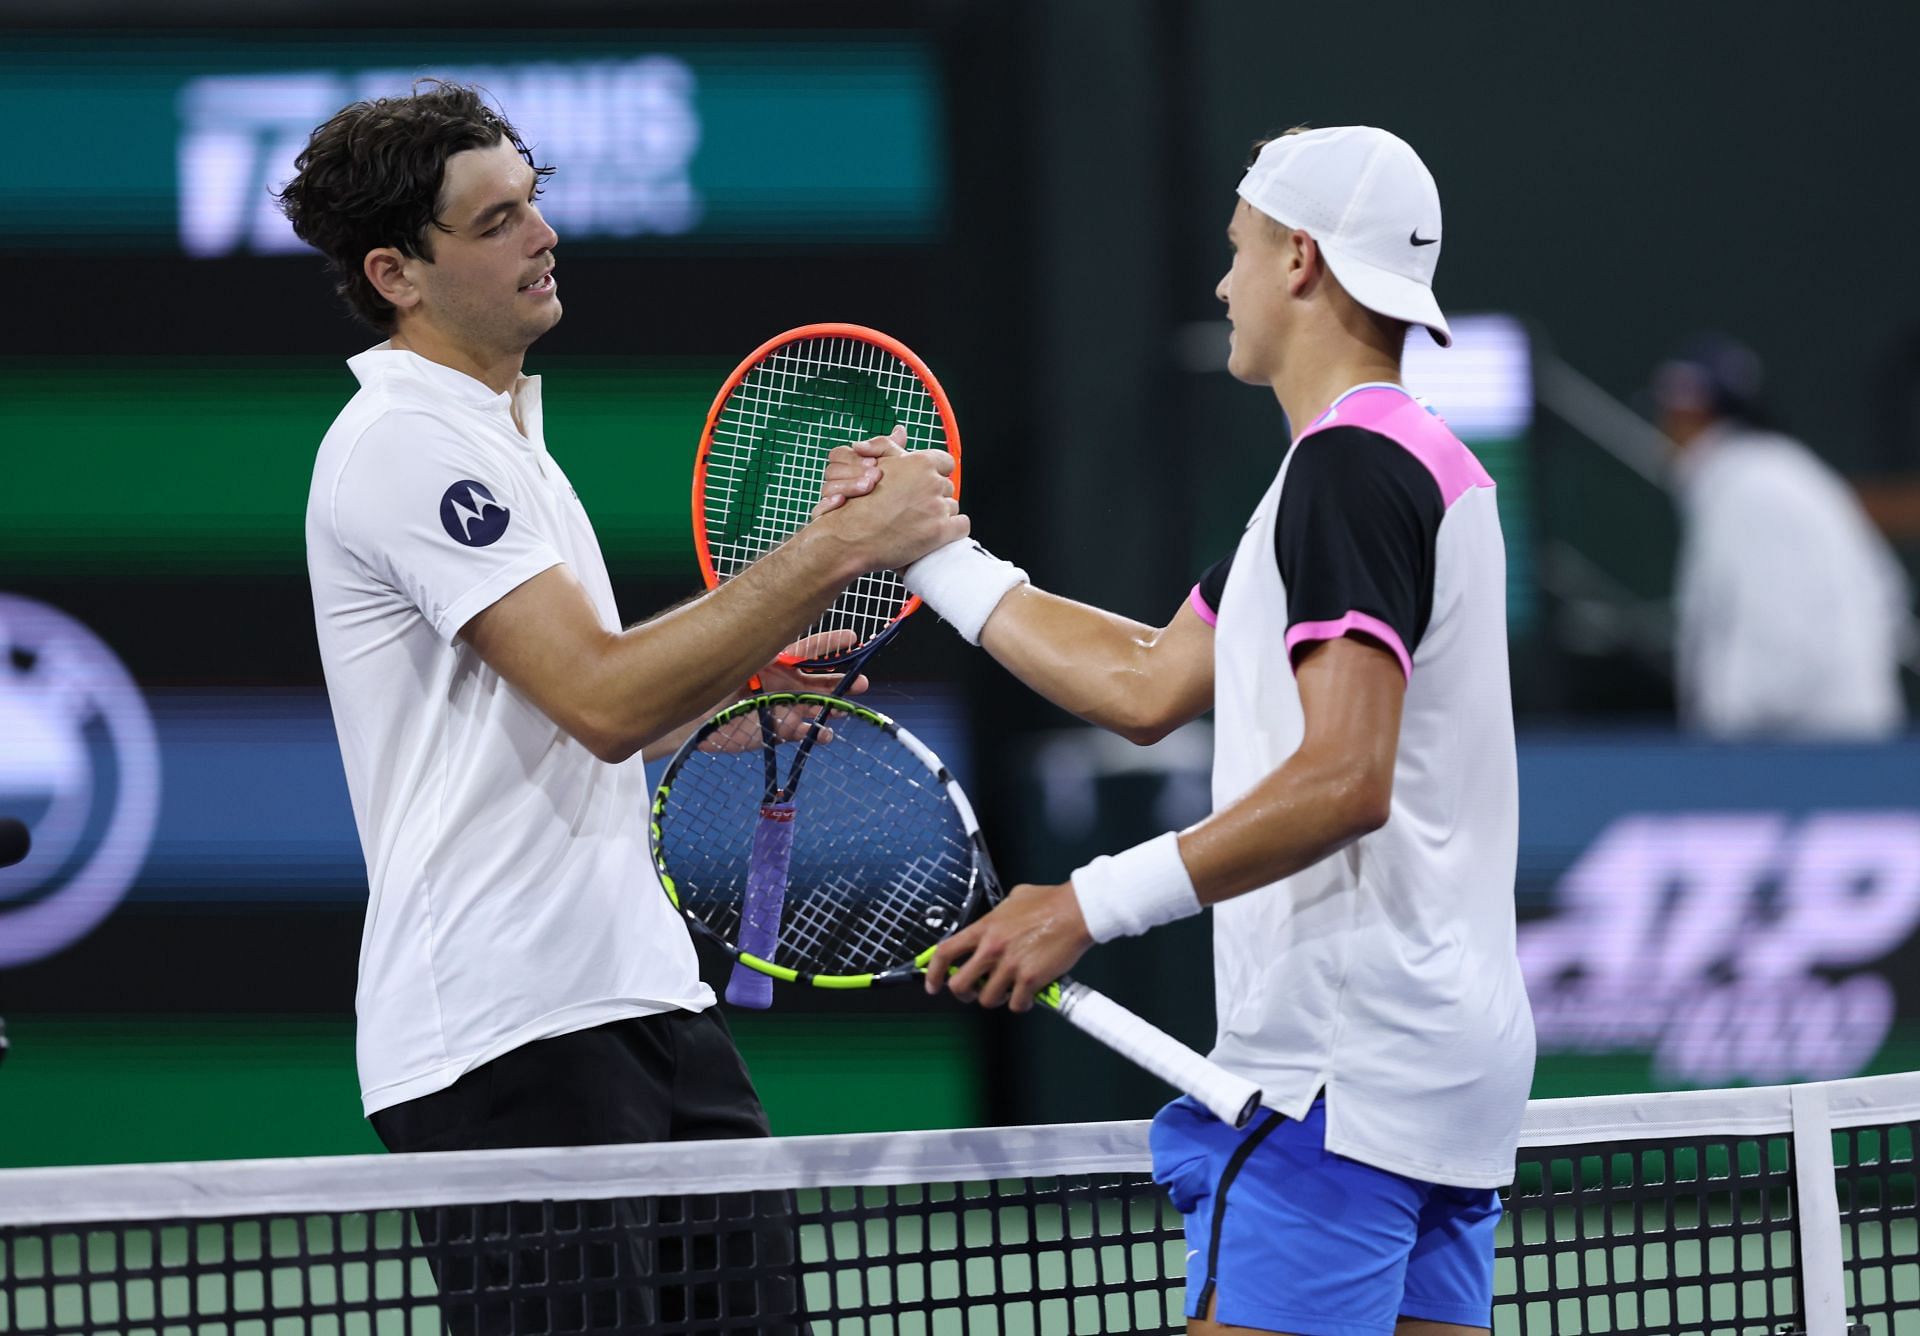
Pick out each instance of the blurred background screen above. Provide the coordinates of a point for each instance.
(170, 143)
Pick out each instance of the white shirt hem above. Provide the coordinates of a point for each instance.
(1291, 1096)
(567, 1020)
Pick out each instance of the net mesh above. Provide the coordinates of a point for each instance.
(1036, 1230)
(882, 865)
(1880, 1225)
(769, 448)
(1694, 1234)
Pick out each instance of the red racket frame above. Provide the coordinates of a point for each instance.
(886, 343)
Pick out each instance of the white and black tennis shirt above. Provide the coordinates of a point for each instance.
(511, 893)
(1385, 974)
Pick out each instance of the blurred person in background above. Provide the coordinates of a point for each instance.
(1792, 612)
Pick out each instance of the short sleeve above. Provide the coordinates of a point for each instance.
(1359, 517)
(437, 517)
(1206, 594)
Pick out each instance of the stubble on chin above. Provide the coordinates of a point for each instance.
(533, 331)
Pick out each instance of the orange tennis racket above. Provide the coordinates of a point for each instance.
(756, 480)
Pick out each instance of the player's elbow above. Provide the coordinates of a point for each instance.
(1370, 816)
(600, 713)
(1369, 799)
(612, 750)
(1144, 731)
(1142, 718)
(1355, 792)
(610, 734)
(601, 736)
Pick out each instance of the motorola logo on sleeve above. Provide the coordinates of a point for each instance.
(80, 764)
(470, 515)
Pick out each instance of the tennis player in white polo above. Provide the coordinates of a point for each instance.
(1360, 856)
(523, 979)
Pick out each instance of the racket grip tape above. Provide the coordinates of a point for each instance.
(761, 909)
(1232, 1099)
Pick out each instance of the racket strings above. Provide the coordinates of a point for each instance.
(869, 931)
(881, 867)
(768, 453)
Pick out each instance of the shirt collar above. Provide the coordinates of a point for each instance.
(1330, 412)
(383, 361)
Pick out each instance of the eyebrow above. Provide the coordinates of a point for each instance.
(504, 207)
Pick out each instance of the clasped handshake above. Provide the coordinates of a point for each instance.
(887, 507)
(890, 505)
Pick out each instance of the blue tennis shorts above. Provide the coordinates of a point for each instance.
(1284, 1235)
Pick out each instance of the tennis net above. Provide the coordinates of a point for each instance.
(1787, 1208)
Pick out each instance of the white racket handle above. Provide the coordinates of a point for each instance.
(1232, 1099)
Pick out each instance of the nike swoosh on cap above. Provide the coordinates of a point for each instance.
(1416, 239)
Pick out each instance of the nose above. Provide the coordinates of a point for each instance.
(1220, 289)
(544, 233)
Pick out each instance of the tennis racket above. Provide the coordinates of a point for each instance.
(879, 862)
(756, 480)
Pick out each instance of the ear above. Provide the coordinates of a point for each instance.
(387, 269)
(1304, 262)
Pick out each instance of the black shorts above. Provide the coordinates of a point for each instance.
(671, 1077)
(725, 1263)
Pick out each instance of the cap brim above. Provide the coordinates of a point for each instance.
(1389, 294)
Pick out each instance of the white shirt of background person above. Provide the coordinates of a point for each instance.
(1792, 611)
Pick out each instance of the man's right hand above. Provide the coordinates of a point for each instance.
(904, 513)
(854, 470)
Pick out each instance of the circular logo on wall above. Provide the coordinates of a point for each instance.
(79, 763)
(470, 515)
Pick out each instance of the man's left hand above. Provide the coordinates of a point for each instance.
(790, 722)
(777, 676)
(1033, 937)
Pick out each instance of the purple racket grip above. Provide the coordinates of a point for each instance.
(766, 897)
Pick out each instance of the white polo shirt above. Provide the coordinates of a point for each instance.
(1386, 974)
(511, 893)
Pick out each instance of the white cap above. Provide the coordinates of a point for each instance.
(1370, 204)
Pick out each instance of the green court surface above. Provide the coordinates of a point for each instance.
(113, 1090)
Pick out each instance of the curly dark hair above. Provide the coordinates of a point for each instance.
(372, 175)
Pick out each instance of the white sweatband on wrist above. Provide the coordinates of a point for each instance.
(1125, 894)
(964, 583)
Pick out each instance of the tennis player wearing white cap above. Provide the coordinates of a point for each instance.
(1359, 860)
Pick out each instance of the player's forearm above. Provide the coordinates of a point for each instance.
(657, 679)
(1309, 808)
(1092, 663)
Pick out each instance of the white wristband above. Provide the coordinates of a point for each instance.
(1125, 894)
(964, 583)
